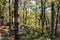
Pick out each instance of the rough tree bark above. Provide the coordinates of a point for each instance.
(16, 20)
(42, 15)
(52, 21)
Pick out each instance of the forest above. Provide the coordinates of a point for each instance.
(29, 19)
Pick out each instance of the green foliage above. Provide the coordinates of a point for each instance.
(5, 38)
(29, 31)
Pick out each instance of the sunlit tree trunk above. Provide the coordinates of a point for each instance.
(52, 21)
(26, 17)
(36, 15)
(39, 19)
(57, 18)
(16, 18)
(23, 14)
(36, 19)
(25, 9)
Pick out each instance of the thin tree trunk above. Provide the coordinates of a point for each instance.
(26, 17)
(26, 13)
(0, 9)
(10, 14)
(0, 14)
(57, 18)
(23, 14)
(42, 15)
(36, 15)
(39, 19)
(52, 21)
(56, 21)
(36, 19)
(16, 18)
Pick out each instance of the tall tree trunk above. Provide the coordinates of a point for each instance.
(52, 21)
(23, 14)
(16, 18)
(36, 15)
(42, 15)
(0, 13)
(57, 17)
(26, 17)
(56, 23)
(36, 19)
